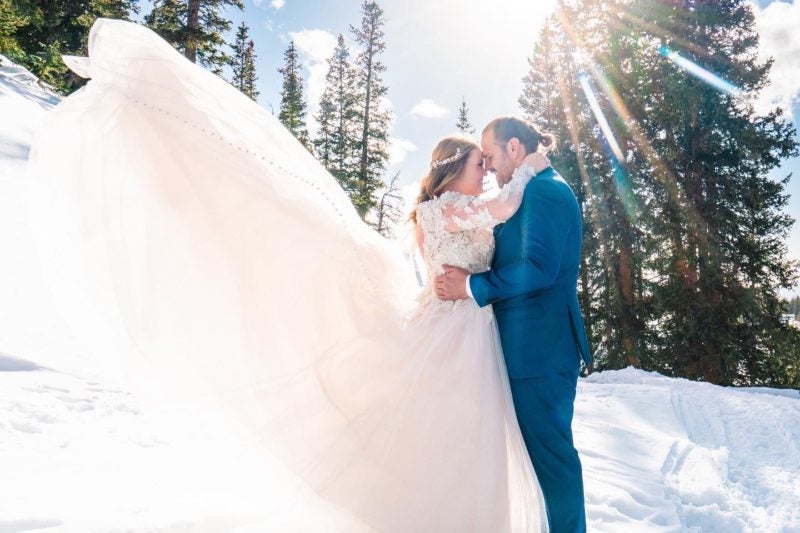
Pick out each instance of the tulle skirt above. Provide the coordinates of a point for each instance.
(203, 254)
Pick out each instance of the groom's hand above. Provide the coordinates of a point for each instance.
(452, 285)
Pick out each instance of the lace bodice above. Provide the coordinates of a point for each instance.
(457, 228)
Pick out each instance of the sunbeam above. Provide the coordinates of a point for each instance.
(583, 79)
(665, 175)
(700, 73)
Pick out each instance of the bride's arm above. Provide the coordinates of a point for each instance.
(472, 212)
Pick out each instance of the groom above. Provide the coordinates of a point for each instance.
(532, 287)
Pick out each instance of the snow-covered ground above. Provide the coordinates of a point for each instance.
(659, 454)
(663, 454)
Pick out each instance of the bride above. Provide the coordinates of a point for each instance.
(195, 244)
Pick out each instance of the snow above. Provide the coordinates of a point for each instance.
(78, 452)
(23, 101)
(676, 455)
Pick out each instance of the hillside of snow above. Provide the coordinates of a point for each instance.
(80, 453)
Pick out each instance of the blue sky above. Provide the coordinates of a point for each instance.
(439, 51)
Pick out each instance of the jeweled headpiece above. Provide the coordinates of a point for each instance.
(439, 162)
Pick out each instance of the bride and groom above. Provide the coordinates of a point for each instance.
(531, 286)
(186, 218)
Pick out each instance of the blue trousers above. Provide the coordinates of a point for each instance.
(544, 406)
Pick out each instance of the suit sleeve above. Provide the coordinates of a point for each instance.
(545, 227)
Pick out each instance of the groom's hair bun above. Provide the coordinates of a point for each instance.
(507, 128)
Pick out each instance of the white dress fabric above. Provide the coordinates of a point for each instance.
(194, 244)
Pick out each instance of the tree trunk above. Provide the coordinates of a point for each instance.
(193, 27)
(365, 131)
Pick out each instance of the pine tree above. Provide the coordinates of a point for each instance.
(463, 124)
(13, 16)
(687, 286)
(374, 118)
(337, 141)
(620, 182)
(168, 19)
(726, 224)
(250, 77)
(541, 99)
(243, 63)
(697, 272)
(43, 31)
(326, 122)
(293, 105)
(195, 27)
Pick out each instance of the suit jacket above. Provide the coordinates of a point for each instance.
(532, 284)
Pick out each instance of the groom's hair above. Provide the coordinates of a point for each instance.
(506, 128)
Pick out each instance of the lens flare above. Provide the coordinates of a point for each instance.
(700, 73)
(622, 182)
(662, 171)
(601, 118)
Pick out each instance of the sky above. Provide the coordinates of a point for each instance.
(440, 51)
(778, 24)
(437, 53)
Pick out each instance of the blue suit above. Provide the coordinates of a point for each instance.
(532, 287)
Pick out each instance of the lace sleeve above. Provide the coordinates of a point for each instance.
(462, 213)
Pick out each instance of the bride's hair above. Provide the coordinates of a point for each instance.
(448, 160)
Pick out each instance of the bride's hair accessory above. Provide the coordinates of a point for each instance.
(440, 162)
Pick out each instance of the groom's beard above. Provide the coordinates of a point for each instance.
(503, 178)
(504, 171)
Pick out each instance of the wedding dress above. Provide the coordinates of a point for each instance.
(196, 245)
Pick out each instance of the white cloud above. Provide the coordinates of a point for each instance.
(314, 45)
(427, 108)
(777, 26)
(275, 4)
(399, 149)
(315, 48)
